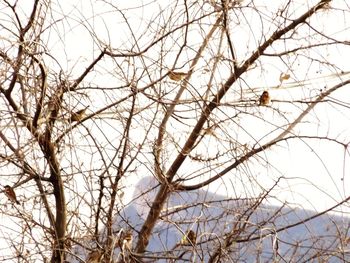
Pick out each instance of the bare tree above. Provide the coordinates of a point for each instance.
(188, 94)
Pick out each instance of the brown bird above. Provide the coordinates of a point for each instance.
(177, 76)
(189, 238)
(10, 193)
(94, 256)
(79, 115)
(264, 98)
(125, 241)
(128, 240)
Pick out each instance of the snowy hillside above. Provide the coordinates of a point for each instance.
(233, 230)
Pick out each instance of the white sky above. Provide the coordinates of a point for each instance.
(317, 187)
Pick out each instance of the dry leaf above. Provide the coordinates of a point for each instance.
(284, 76)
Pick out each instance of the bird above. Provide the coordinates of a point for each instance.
(79, 115)
(125, 240)
(94, 256)
(189, 238)
(264, 98)
(128, 240)
(10, 193)
(177, 76)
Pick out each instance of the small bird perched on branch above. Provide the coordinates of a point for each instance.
(189, 238)
(264, 98)
(94, 256)
(79, 115)
(10, 193)
(177, 76)
(125, 240)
